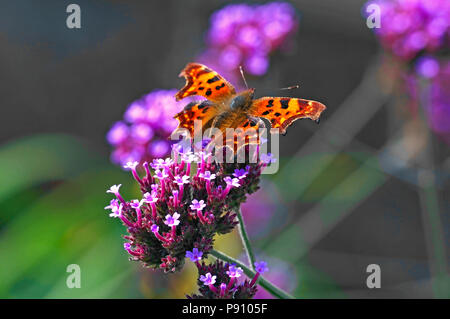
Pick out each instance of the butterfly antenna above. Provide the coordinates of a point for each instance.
(243, 77)
(291, 87)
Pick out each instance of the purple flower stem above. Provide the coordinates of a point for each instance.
(174, 230)
(180, 194)
(188, 169)
(253, 282)
(158, 235)
(134, 253)
(223, 290)
(208, 187)
(230, 284)
(162, 188)
(137, 178)
(119, 197)
(139, 218)
(153, 206)
(200, 217)
(148, 175)
(226, 191)
(126, 221)
(213, 289)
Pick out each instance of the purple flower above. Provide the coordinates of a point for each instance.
(127, 246)
(154, 228)
(114, 189)
(242, 34)
(267, 158)
(207, 175)
(172, 220)
(115, 208)
(228, 289)
(197, 205)
(131, 165)
(150, 197)
(195, 255)
(189, 157)
(118, 133)
(136, 203)
(234, 182)
(208, 279)
(234, 272)
(161, 174)
(410, 27)
(261, 267)
(148, 123)
(427, 67)
(240, 173)
(161, 196)
(180, 180)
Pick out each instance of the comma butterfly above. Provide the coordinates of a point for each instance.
(224, 108)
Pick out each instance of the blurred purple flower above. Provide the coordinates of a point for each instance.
(148, 122)
(263, 210)
(410, 27)
(243, 34)
(439, 106)
(427, 67)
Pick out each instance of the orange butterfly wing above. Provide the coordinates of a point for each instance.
(203, 111)
(201, 80)
(283, 111)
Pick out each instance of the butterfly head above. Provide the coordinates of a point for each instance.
(242, 99)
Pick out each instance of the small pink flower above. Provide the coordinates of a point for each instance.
(172, 220)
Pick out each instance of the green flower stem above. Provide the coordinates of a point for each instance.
(269, 287)
(246, 240)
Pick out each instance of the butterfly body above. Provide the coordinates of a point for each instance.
(224, 108)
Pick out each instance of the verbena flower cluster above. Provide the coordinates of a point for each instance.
(222, 281)
(410, 28)
(185, 202)
(148, 122)
(417, 33)
(243, 34)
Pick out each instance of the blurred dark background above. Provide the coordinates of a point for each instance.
(347, 199)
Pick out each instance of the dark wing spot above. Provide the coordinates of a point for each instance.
(205, 110)
(270, 104)
(277, 114)
(252, 124)
(201, 88)
(246, 124)
(213, 79)
(288, 112)
(266, 112)
(208, 92)
(189, 106)
(218, 87)
(284, 103)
